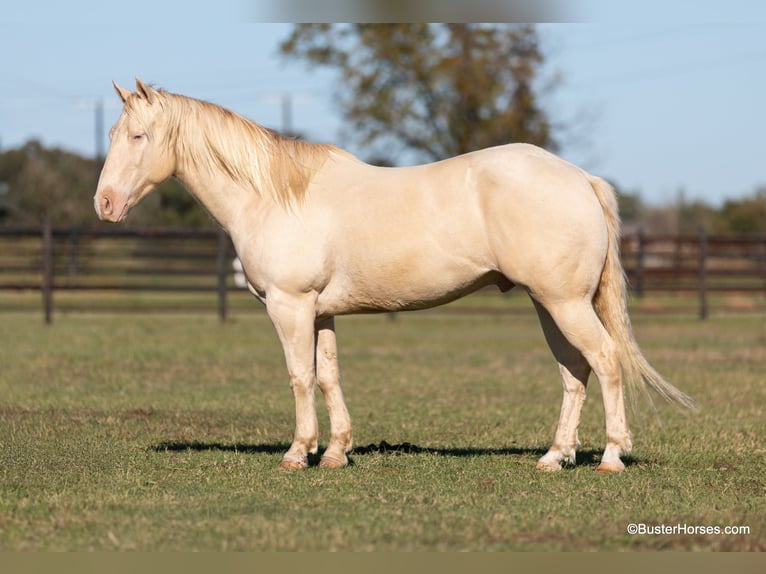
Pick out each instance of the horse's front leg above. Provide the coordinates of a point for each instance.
(293, 318)
(328, 377)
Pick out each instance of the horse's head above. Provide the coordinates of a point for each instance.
(139, 157)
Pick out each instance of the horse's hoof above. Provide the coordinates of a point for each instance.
(608, 467)
(292, 465)
(547, 466)
(332, 462)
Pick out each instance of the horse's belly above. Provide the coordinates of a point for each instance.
(402, 290)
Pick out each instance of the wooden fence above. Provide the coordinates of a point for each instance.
(181, 264)
(698, 265)
(193, 270)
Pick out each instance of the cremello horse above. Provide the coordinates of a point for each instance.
(321, 234)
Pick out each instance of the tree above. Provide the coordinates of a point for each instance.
(630, 206)
(437, 90)
(46, 182)
(747, 215)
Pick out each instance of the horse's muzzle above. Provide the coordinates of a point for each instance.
(107, 205)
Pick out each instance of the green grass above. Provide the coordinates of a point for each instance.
(164, 433)
(240, 302)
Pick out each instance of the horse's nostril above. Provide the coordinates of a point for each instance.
(106, 202)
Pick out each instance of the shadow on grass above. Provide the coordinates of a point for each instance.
(584, 457)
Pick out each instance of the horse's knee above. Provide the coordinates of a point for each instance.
(301, 384)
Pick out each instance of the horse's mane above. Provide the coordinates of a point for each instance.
(249, 154)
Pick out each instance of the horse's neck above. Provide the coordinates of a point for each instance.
(224, 199)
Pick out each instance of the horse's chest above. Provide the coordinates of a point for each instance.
(284, 266)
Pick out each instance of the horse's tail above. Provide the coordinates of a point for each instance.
(611, 304)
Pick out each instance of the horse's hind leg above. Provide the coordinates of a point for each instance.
(578, 321)
(328, 377)
(575, 371)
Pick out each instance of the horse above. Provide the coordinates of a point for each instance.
(321, 233)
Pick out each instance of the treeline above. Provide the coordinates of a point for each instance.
(38, 182)
(744, 215)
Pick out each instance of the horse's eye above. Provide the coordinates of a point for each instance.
(136, 137)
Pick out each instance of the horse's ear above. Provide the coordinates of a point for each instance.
(122, 92)
(146, 92)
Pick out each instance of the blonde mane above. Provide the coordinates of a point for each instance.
(211, 137)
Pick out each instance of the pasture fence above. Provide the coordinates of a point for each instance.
(698, 265)
(125, 270)
(114, 269)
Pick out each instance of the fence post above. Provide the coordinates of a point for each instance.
(222, 273)
(763, 264)
(47, 256)
(703, 274)
(73, 264)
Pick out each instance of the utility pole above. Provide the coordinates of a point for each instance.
(99, 121)
(97, 104)
(286, 101)
(287, 114)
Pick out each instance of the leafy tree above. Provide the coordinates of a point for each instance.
(681, 216)
(170, 205)
(50, 182)
(630, 204)
(437, 90)
(694, 216)
(746, 215)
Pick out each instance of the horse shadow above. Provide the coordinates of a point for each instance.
(587, 457)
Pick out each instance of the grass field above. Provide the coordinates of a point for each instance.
(163, 432)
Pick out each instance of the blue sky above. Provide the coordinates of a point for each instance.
(659, 100)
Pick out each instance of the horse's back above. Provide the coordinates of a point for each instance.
(422, 235)
(540, 217)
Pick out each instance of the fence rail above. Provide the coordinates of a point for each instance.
(56, 260)
(698, 264)
(193, 268)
